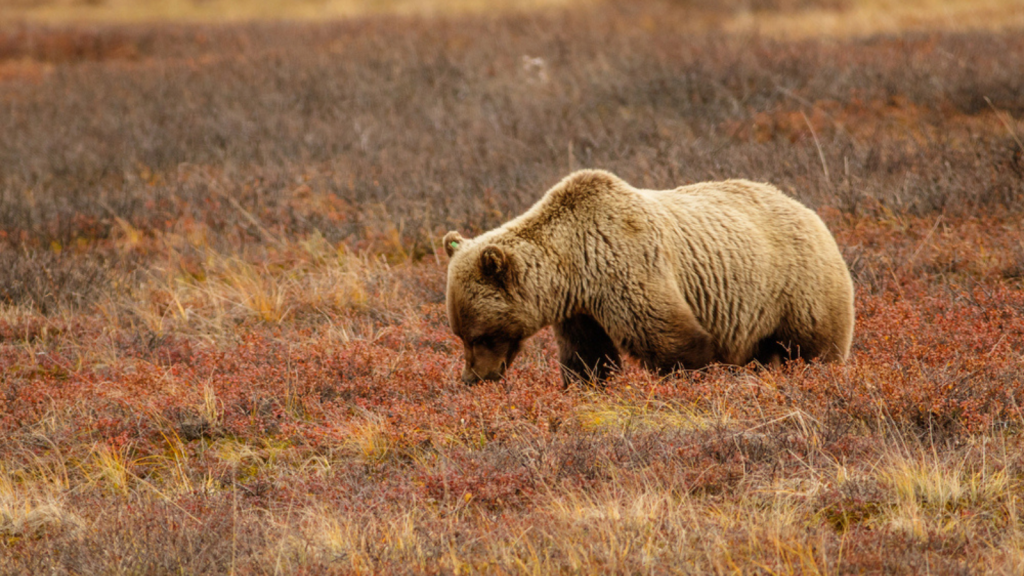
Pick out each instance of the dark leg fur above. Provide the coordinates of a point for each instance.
(777, 349)
(771, 353)
(585, 351)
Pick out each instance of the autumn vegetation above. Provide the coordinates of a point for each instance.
(223, 342)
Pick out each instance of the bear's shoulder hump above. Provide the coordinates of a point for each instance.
(586, 184)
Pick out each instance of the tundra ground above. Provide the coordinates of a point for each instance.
(222, 333)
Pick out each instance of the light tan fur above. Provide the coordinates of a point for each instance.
(730, 271)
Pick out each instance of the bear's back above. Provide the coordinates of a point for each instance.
(748, 255)
(753, 216)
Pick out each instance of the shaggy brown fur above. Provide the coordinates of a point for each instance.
(729, 271)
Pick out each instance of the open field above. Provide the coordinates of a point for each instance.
(222, 331)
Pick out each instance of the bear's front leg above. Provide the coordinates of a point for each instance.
(585, 351)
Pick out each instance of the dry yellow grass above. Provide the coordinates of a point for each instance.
(857, 18)
(31, 506)
(122, 11)
(209, 292)
(868, 17)
(930, 495)
(631, 416)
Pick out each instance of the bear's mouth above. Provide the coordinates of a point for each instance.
(474, 373)
(473, 376)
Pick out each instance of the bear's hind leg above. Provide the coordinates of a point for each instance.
(585, 351)
(772, 351)
(681, 344)
(780, 348)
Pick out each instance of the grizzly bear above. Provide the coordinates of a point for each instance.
(729, 272)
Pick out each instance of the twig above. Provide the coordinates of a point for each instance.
(1000, 114)
(433, 250)
(924, 241)
(252, 219)
(821, 154)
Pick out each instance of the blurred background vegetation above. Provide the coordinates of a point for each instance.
(782, 17)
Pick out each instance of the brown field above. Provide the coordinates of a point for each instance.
(222, 331)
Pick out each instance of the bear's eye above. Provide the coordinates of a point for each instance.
(487, 341)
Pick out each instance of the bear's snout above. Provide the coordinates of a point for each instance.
(487, 363)
(469, 377)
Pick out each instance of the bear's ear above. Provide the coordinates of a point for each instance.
(493, 262)
(452, 242)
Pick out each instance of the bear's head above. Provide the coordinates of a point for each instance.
(487, 305)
